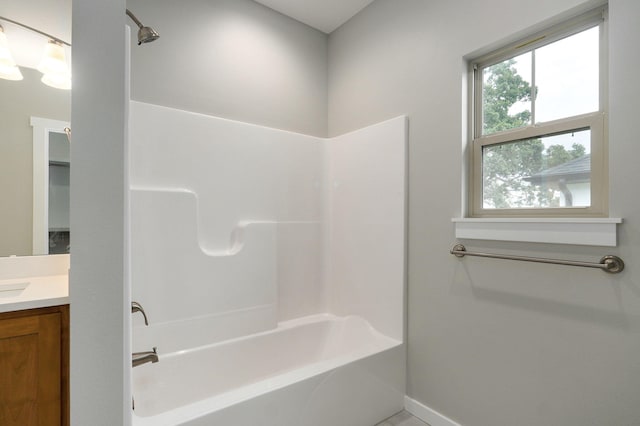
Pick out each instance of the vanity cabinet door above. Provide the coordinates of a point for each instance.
(31, 373)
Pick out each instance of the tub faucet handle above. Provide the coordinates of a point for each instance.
(136, 307)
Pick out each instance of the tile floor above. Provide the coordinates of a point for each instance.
(403, 418)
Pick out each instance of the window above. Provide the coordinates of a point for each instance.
(539, 141)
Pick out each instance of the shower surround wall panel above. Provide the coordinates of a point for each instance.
(236, 174)
(239, 171)
(274, 253)
(218, 288)
(365, 244)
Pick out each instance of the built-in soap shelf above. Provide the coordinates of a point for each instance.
(164, 208)
(171, 254)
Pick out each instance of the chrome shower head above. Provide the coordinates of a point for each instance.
(145, 34)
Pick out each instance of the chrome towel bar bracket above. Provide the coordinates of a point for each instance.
(611, 264)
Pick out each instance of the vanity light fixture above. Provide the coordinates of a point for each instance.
(8, 68)
(53, 65)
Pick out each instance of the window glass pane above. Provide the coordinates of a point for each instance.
(567, 76)
(545, 172)
(506, 94)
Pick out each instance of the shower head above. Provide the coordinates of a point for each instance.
(145, 34)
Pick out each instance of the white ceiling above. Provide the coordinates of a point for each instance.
(325, 15)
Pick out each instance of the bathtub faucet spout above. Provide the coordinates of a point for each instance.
(139, 358)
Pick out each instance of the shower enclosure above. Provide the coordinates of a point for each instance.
(272, 268)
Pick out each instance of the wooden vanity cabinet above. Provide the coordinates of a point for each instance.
(34, 367)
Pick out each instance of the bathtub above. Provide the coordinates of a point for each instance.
(314, 371)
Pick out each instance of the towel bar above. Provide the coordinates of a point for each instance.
(611, 264)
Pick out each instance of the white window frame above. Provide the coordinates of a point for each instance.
(596, 122)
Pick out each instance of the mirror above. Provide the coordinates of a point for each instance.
(58, 202)
(22, 100)
(51, 167)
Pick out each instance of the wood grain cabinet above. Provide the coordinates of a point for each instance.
(34, 367)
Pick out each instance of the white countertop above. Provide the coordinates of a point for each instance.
(39, 292)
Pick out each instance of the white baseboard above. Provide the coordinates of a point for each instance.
(426, 414)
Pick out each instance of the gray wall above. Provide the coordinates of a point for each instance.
(497, 343)
(20, 101)
(234, 59)
(100, 299)
(490, 343)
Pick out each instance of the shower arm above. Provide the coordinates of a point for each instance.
(133, 17)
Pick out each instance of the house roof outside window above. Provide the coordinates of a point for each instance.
(574, 171)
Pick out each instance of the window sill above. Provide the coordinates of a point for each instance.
(578, 231)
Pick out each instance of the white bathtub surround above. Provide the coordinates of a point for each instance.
(205, 296)
(365, 242)
(240, 172)
(271, 266)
